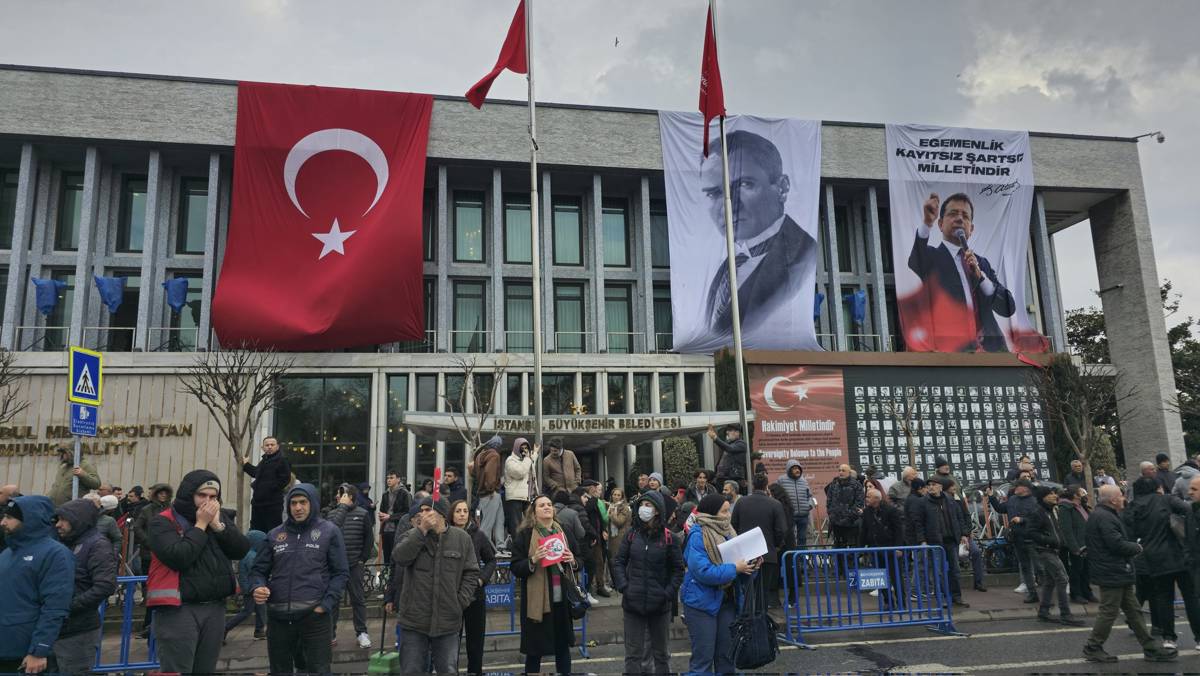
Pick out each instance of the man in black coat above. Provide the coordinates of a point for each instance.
(760, 510)
(358, 537)
(883, 526)
(1164, 558)
(1110, 553)
(732, 464)
(1018, 506)
(939, 523)
(963, 275)
(95, 581)
(393, 509)
(272, 477)
(1044, 532)
(198, 540)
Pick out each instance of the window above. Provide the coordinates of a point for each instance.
(8, 207)
(641, 393)
(193, 216)
(122, 323)
(468, 227)
(616, 393)
(324, 427)
(618, 317)
(185, 325)
(70, 212)
(397, 436)
(456, 394)
(470, 317)
(660, 240)
(427, 392)
(588, 392)
(518, 317)
(558, 393)
(429, 225)
(693, 386)
(616, 233)
(131, 228)
(514, 393)
(568, 233)
(518, 237)
(568, 318)
(485, 393)
(663, 340)
(666, 393)
(58, 323)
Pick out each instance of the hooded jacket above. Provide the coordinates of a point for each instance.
(797, 489)
(358, 533)
(648, 569)
(441, 578)
(141, 523)
(304, 562)
(518, 472)
(488, 467)
(95, 566)
(37, 573)
(257, 540)
(203, 558)
(1186, 472)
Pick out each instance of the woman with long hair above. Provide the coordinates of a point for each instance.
(710, 591)
(648, 571)
(546, 625)
(475, 616)
(619, 520)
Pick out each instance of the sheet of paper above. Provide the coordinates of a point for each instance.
(747, 546)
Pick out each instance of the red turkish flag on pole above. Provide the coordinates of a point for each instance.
(512, 57)
(712, 94)
(324, 246)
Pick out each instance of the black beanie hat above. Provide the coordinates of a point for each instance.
(711, 504)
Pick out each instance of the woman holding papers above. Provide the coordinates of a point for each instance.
(648, 571)
(710, 593)
(539, 560)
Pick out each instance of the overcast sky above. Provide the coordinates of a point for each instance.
(1119, 67)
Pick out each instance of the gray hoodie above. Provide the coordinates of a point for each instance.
(797, 490)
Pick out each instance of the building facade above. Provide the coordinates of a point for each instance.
(108, 174)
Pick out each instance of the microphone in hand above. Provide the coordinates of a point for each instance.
(961, 236)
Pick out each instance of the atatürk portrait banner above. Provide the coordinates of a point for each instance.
(961, 201)
(774, 177)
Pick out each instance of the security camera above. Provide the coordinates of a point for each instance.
(1160, 137)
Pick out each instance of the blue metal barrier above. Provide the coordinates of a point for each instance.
(130, 584)
(829, 590)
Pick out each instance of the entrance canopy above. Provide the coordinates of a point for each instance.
(579, 432)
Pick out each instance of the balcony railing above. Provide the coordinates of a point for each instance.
(571, 341)
(172, 338)
(109, 338)
(518, 341)
(623, 342)
(42, 338)
(468, 341)
(413, 346)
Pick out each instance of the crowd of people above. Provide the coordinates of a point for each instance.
(566, 539)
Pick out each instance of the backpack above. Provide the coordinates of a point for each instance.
(162, 583)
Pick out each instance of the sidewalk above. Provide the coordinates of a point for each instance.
(604, 626)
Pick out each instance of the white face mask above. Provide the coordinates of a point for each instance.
(646, 513)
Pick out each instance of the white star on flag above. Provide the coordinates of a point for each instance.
(801, 392)
(333, 240)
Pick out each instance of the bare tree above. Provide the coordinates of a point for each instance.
(905, 414)
(238, 386)
(1076, 399)
(473, 406)
(11, 402)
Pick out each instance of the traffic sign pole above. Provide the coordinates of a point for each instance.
(75, 478)
(85, 385)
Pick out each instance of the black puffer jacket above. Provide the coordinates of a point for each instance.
(913, 511)
(358, 533)
(1149, 520)
(1110, 549)
(649, 567)
(846, 500)
(203, 558)
(95, 566)
(881, 526)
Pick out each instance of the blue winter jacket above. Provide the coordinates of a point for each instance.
(703, 584)
(38, 575)
(303, 564)
(257, 539)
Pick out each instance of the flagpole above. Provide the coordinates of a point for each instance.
(733, 288)
(535, 259)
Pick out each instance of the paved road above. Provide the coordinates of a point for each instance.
(1012, 646)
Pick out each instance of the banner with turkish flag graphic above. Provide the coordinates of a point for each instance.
(324, 246)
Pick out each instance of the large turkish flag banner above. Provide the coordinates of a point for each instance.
(324, 246)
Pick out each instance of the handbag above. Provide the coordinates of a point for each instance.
(577, 602)
(754, 641)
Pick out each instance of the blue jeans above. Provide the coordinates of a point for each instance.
(801, 530)
(712, 645)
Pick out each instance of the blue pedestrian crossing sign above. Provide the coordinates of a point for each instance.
(83, 419)
(86, 378)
